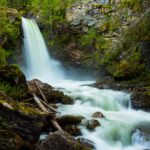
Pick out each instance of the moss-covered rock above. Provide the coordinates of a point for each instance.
(69, 119)
(140, 99)
(13, 81)
(72, 129)
(26, 121)
(61, 140)
(92, 124)
(98, 115)
(11, 141)
(52, 96)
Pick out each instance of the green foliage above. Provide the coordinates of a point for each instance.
(9, 30)
(12, 91)
(129, 67)
(3, 56)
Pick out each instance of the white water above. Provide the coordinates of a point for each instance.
(115, 132)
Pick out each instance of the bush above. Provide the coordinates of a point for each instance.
(129, 67)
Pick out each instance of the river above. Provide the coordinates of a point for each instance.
(119, 130)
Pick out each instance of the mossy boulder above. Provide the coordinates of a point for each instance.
(98, 115)
(25, 121)
(61, 140)
(140, 99)
(72, 129)
(92, 124)
(70, 123)
(52, 96)
(13, 81)
(12, 141)
(69, 119)
(13, 75)
(86, 142)
(56, 96)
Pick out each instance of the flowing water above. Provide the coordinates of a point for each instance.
(119, 130)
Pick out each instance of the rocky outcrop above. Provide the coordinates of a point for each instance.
(70, 124)
(11, 141)
(13, 75)
(140, 99)
(86, 142)
(61, 140)
(53, 96)
(25, 121)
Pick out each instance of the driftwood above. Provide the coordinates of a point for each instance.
(41, 92)
(50, 107)
(41, 106)
(7, 105)
(45, 100)
(27, 100)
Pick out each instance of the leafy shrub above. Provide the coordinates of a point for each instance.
(129, 67)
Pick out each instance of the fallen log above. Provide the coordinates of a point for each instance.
(41, 92)
(41, 106)
(50, 107)
(45, 100)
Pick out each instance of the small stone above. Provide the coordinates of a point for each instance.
(98, 115)
(92, 124)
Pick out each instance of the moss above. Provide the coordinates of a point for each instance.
(97, 5)
(20, 106)
(13, 91)
(104, 26)
(129, 67)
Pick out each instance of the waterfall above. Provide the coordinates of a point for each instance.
(119, 129)
(39, 64)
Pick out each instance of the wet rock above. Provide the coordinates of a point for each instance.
(46, 88)
(11, 141)
(72, 129)
(92, 124)
(69, 119)
(52, 96)
(141, 135)
(61, 140)
(140, 99)
(24, 121)
(86, 142)
(98, 115)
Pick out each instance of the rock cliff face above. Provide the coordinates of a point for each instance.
(93, 27)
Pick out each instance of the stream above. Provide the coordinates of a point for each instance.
(121, 127)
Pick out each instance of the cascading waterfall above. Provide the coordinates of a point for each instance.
(118, 130)
(39, 64)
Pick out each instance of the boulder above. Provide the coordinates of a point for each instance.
(25, 121)
(98, 115)
(13, 75)
(69, 119)
(92, 124)
(86, 142)
(11, 141)
(69, 123)
(72, 129)
(61, 140)
(56, 96)
(52, 96)
(140, 99)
